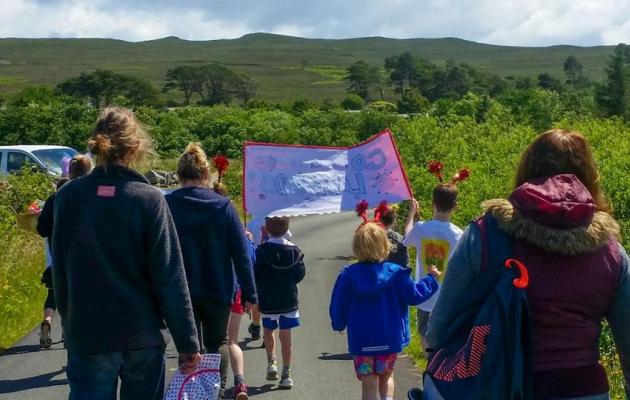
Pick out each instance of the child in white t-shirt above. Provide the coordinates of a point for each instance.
(434, 241)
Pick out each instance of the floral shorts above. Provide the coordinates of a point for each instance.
(374, 365)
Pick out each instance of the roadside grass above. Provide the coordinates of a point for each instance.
(21, 293)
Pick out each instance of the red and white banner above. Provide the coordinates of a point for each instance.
(288, 180)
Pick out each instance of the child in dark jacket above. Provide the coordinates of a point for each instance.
(279, 268)
(371, 299)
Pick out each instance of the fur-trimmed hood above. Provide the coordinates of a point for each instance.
(556, 214)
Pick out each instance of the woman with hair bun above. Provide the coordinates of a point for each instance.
(118, 272)
(215, 249)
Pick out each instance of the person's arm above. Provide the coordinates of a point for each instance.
(414, 208)
(414, 293)
(619, 319)
(463, 266)
(168, 278)
(339, 302)
(300, 270)
(239, 252)
(60, 281)
(46, 218)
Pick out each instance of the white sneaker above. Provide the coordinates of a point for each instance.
(272, 371)
(286, 382)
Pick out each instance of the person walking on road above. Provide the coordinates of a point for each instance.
(215, 249)
(118, 272)
(561, 228)
(371, 299)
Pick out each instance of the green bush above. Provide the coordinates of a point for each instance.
(21, 258)
(352, 102)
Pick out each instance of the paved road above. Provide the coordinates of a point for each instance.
(322, 368)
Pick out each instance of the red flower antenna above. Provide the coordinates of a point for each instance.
(381, 210)
(461, 176)
(435, 168)
(361, 210)
(221, 163)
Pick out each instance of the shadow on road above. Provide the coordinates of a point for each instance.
(34, 382)
(27, 348)
(336, 357)
(257, 390)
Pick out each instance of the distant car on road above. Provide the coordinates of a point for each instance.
(50, 159)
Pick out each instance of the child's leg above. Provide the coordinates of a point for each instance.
(386, 386)
(369, 387)
(285, 342)
(270, 344)
(255, 315)
(236, 354)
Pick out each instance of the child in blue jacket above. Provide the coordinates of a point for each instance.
(371, 298)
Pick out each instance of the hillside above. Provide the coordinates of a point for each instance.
(273, 61)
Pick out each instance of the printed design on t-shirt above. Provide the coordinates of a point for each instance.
(435, 252)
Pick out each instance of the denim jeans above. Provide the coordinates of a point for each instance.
(95, 376)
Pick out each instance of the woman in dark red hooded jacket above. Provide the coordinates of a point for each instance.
(562, 230)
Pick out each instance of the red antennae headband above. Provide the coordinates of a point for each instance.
(221, 163)
(436, 168)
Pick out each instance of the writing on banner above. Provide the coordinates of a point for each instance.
(300, 180)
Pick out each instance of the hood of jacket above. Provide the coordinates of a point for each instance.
(371, 279)
(281, 256)
(193, 206)
(557, 214)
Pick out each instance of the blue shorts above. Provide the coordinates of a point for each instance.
(283, 322)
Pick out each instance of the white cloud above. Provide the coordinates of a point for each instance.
(514, 22)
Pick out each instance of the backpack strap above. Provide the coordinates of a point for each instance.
(496, 245)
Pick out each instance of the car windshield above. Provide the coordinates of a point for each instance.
(56, 160)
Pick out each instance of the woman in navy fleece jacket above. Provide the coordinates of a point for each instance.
(215, 249)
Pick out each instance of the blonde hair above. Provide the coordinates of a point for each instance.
(116, 134)
(370, 243)
(193, 164)
(80, 165)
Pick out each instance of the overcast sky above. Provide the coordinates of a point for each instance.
(510, 22)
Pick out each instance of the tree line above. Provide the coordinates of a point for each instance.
(418, 82)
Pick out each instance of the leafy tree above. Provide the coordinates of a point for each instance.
(378, 80)
(185, 78)
(574, 73)
(412, 102)
(359, 76)
(245, 88)
(548, 82)
(353, 102)
(218, 84)
(402, 71)
(613, 96)
(101, 87)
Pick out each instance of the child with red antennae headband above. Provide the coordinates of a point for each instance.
(435, 239)
(370, 299)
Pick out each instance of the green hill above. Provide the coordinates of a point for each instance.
(273, 61)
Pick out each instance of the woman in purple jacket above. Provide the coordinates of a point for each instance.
(561, 228)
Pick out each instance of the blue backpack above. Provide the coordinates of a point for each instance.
(485, 353)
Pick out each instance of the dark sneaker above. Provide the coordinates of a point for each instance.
(44, 335)
(240, 392)
(254, 330)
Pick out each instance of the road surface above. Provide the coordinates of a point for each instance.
(321, 366)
